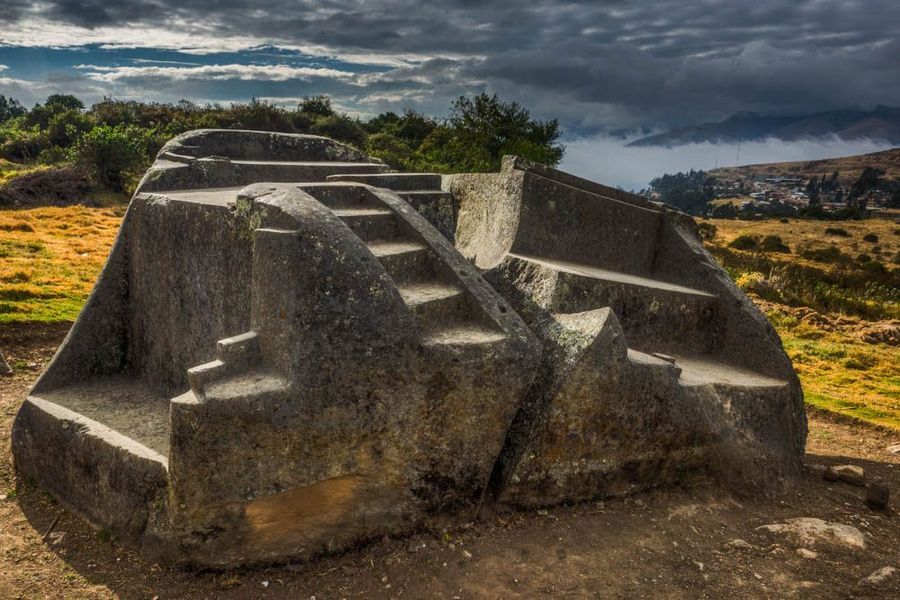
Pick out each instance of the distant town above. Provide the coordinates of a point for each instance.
(865, 189)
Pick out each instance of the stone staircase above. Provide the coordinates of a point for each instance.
(445, 312)
(421, 190)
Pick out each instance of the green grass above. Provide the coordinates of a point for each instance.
(50, 259)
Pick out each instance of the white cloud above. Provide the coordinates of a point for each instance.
(4, 67)
(607, 160)
(187, 37)
(213, 73)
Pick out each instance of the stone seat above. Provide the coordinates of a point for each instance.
(124, 405)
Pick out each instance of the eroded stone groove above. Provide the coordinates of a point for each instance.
(286, 354)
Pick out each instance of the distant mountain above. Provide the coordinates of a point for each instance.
(848, 168)
(880, 123)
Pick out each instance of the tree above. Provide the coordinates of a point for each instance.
(690, 192)
(812, 191)
(486, 128)
(867, 181)
(317, 105)
(9, 108)
(55, 104)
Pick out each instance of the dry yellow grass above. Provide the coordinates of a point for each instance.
(840, 370)
(802, 235)
(50, 259)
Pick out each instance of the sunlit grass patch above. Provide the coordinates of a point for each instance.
(51, 258)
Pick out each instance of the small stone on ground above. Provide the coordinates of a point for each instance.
(847, 473)
(808, 530)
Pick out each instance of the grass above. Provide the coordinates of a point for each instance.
(50, 259)
(839, 371)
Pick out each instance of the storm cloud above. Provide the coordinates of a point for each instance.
(597, 66)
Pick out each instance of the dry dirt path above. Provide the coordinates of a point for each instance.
(672, 544)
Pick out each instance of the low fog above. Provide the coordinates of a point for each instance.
(607, 160)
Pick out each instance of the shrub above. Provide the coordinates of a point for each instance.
(21, 142)
(837, 231)
(863, 258)
(317, 105)
(113, 157)
(706, 231)
(784, 220)
(773, 243)
(831, 254)
(744, 242)
(53, 187)
(67, 126)
(870, 237)
(874, 267)
(395, 152)
(341, 128)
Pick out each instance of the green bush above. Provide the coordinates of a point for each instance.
(319, 106)
(837, 231)
(706, 231)
(773, 243)
(341, 128)
(831, 254)
(113, 157)
(395, 152)
(67, 126)
(870, 237)
(744, 242)
(21, 142)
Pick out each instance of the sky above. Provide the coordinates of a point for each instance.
(603, 68)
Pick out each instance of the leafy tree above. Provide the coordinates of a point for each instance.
(67, 126)
(867, 181)
(317, 105)
(55, 104)
(812, 191)
(482, 129)
(689, 191)
(341, 128)
(9, 108)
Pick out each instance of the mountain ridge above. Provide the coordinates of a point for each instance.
(880, 123)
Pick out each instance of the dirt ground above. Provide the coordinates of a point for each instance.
(665, 544)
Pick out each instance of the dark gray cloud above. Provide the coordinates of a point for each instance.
(594, 64)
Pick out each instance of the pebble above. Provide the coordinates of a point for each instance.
(880, 576)
(809, 530)
(739, 544)
(805, 553)
(851, 474)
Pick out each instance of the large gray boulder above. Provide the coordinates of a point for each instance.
(656, 369)
(286, 355)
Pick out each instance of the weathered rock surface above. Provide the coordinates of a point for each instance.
(809, 531)
(275, 371)
(656, 369)
(286, 355)
(883, 577)
(852, 474)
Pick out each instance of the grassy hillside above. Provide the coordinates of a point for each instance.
(849, 168)
(837, 315)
